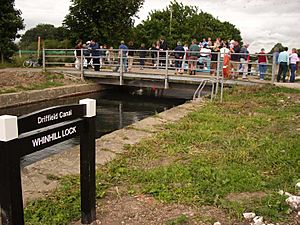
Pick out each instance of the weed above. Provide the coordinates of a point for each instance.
(182, 219)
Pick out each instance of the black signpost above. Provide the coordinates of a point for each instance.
(20, 136)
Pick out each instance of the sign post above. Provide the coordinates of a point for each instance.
(20, 136)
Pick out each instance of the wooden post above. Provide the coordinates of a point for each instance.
(87, 164)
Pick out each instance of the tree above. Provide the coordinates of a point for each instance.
(187, 22)
(53, 37)
(108, 21)
(10, 23)
(279, 46)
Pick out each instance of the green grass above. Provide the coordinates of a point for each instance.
(249, 143)
(181, 220)
(62, 207)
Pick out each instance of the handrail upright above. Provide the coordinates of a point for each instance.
(121, 66)
(167, 70)
(44, 60)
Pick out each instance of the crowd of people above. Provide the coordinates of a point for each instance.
(202, 55)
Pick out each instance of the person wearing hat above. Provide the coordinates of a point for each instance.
(178, 53)
(262, 64)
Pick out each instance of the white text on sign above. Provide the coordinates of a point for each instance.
(54, 136)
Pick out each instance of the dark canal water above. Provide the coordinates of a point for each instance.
(115, 110)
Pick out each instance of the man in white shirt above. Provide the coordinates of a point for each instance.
(283, 61)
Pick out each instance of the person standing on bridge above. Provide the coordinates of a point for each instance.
(235, 59)
(130, 55)
(94, 47)
(123, 51)
(283, 60)
(244, 59)
(179, 53)
(262, 64)
(293, 62)
(143, 54)
(163, 47)
(194, 52)
(78, 48)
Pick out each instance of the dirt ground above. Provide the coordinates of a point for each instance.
(116, 209)
(14, 78)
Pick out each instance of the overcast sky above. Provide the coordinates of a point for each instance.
(262, 23)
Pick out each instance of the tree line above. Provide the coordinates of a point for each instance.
(110, 21)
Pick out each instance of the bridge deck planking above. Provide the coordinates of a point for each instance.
(156, 74)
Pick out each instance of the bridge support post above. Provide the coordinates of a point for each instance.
(167, 70)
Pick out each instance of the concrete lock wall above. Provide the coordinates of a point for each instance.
(22, 98)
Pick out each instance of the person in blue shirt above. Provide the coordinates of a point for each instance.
(283, 61)
(123, 52)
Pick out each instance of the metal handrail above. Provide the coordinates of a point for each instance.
(197, 93)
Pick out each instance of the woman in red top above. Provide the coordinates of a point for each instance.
(262, 64)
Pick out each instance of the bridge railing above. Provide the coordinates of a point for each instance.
(169, 61)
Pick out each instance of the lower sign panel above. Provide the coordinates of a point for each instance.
(31, 143)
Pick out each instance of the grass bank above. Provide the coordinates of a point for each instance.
(247, 146)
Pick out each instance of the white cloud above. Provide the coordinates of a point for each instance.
(43, 11)
(262, 23)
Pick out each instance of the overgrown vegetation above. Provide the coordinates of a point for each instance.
(49, 80)
(248, 144)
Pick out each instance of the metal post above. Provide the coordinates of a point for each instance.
(212, 90)
(87, 163)
(167, 70)
(121, 67)
(44, 60)
(273, 68)
(218, 73)
(20, 53)
(222, 84)
(81, 64)
(157, 60)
